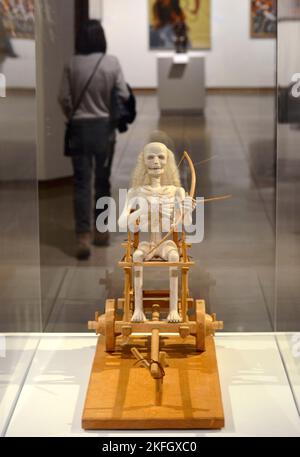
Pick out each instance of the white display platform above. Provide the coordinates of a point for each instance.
(290, 349)
(256, 393)
(181, 82)
(181, 59)
(16, 355)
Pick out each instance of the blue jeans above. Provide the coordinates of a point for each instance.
(162, 37)
(98, 142)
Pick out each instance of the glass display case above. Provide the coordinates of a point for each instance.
(287, 205)
(244, 145)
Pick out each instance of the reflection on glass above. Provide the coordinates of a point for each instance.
(232, 146)
(288, 187)
(19, 264)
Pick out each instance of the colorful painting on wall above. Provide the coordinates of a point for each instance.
(263, 18)
(167, 16)
(289, 10)
(18, 18)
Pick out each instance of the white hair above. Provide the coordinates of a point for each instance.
(170, 176)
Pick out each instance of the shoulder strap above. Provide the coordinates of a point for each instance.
(78, 103)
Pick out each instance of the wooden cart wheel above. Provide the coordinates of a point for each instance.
(110, 317)
(200, 325)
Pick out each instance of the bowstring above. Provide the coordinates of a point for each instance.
(181, 161)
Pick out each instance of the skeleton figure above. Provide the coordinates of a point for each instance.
(154, 204)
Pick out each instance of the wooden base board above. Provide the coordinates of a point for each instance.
(121, 396)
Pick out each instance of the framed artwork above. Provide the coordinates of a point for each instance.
(289, 10)
(17, 17)
(263, 18)
(166, 15)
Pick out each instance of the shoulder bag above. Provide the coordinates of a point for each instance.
(72, 135)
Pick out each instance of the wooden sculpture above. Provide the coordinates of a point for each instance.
(156, 314)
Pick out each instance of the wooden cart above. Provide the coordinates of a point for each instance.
(195, 321)
(119, 395)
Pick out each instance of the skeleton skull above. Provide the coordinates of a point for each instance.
(156, 157)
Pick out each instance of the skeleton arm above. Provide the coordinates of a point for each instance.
(131, 215)
(186, 207)
(126, 216)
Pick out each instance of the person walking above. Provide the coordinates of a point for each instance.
(86, 98)
(6, 48)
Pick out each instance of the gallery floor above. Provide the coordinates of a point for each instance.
(43, 382)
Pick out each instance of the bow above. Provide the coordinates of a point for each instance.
(191, 194)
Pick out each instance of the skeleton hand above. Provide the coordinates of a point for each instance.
(188, 204)
(137, 219)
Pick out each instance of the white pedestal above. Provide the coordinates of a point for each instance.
(257, 396)
(181, 83)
